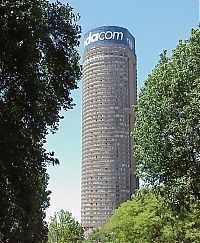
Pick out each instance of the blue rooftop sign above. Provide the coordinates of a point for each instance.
(109, 35)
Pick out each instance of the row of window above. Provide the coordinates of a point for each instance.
(106, 64)
(95, 57)
(99, 53)
(93, 221)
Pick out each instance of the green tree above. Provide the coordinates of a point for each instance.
(146, 218)
(38, 69)
(98, 235)
(64, 229)
(167, 128)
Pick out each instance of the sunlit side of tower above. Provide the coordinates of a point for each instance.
(109, 92)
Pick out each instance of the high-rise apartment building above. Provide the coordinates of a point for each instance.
(109, 92)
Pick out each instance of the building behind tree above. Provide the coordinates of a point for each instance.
(109, 93)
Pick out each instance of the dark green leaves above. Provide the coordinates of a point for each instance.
(39, 66)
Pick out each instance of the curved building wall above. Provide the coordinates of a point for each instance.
(109, 91)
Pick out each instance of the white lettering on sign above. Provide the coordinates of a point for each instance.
(108, 35)
(130, 43)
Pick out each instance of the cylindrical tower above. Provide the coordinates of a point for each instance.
(109, 92)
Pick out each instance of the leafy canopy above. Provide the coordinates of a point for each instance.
(38, 69)
(146, 218)
(63, 228)
(98, 235)
(167, 127)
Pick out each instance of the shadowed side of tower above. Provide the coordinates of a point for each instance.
(109, 92)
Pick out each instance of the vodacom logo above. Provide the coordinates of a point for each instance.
(104, 35)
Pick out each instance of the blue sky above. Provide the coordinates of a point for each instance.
(156, 25)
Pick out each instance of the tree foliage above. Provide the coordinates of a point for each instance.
(63, 228)
(146, 218)
(38, 69)
(167, 127)
(98, 235)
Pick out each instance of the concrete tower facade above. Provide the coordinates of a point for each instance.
(109, 92)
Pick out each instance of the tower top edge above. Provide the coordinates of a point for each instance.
(109, 35)
(107, 27)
